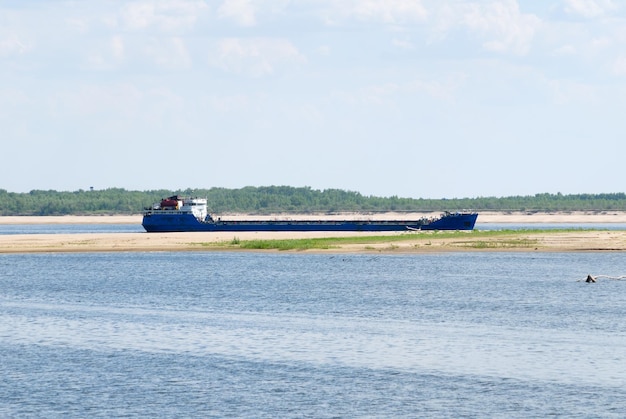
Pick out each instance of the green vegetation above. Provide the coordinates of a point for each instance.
(494, 239)
(306, 244)
(287, 199)
(501, 244)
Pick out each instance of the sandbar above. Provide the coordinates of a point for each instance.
(409, 242)
(415, 242)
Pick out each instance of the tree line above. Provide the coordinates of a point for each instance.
(288, 199)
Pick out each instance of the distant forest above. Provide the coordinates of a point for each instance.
(287, 199)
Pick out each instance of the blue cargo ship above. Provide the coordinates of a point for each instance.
(178, 214)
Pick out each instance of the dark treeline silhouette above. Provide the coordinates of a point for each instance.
(287, 199)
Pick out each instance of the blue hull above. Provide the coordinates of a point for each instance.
(175, 221)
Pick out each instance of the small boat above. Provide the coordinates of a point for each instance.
(180, 214)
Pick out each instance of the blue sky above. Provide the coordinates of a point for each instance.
(415, 98)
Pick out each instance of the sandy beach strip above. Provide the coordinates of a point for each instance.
(417, 242)
(408, 242)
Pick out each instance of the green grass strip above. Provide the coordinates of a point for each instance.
(519, 239)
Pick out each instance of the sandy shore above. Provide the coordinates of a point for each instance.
(417, 242)
(411, 242)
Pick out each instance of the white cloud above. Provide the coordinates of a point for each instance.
(12, 45)
(381, 60)
(229, 103)
(565, 50)
(503, 26)
(11, 98)
(499, 25)
(566, 92)
(387, 94)
(619, 66)
(600, 43)
(443, 89)
(389, 11)
(590, 8)
(109, 20)
(79, 24)
(241, 11)
(254, 57)
(385, 11)
(402, 44)
(170, 15)
(121, 99)
(169, 53)
(108, 56)
(323, 50)
(117, 47)
(116, 104)
(378, 94)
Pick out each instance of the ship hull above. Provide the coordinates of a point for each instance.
(174, 221)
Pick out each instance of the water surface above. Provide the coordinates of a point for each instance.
(270, 334)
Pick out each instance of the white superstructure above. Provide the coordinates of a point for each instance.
(197, 206)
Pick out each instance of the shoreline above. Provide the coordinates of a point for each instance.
(406, 243)
(484, 217)
(411, 242)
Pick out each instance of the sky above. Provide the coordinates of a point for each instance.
(409, 98)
